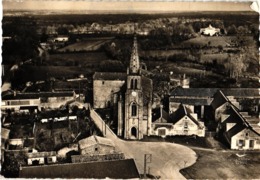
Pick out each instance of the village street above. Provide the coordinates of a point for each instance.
(167, 158)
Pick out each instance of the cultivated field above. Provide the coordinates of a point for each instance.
(88, 59)
(91, 44)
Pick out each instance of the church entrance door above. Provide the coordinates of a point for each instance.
(133, 132)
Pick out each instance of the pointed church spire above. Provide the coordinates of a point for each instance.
(134, 61)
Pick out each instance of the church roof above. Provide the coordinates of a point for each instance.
(134, 60)
(110, 76)
(147, 87)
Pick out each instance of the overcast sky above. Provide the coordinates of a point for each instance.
(124, 6)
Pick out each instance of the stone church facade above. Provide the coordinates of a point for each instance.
(129, 94)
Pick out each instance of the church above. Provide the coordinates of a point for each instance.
(130, 96)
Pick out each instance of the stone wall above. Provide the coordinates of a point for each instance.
(103, 90)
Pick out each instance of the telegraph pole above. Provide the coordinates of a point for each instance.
(147, 159)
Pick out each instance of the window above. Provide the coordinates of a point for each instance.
(103, 82)
(96, 149)
(135, 84)
(241, 142)
(132, 84)
(134, 109)
(251, 143)
(161, 132)
(186, 125)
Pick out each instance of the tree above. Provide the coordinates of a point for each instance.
(232, 30)
(235, 65)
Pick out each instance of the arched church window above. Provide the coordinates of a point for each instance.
(132, 84)
(135, 84)
(134, 109)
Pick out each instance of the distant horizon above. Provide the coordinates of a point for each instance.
(126, 6)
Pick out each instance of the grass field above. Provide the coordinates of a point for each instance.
(219, 58)
(215, 41)
(90, 44)
(89, 59)
(39, 73)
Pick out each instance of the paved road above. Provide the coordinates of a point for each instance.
(167, 158)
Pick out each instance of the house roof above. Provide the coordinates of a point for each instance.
(209, 92)
(5, 133)
(195, 92)
(40, 154)
(234, 130)
(156, 114)
(110, 76)
(181, 112)
(92, 140)
(236, 117)
(37, 95)
(119, 169)
(191, 101)
(241, 92)
(218, 99)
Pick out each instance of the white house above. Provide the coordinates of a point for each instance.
(37, 158)
(182, 122)
(210, 31)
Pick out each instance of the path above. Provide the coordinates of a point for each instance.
(167, 158)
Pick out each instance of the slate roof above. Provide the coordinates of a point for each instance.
(195, 92)
(119, 169)
(209, 92)
(181, 112)
(241, 123)
(218, 99)
(192, 101)
(92, 140)
(156, 114)
(233, 131)
(37, 95)
(241, 92)
(109, 76)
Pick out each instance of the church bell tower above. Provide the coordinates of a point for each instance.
(133, 98)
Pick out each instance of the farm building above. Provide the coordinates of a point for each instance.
(20, 101)
(95, 145)
(37, 158)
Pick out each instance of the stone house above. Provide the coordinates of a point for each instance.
(182, 122)
(95, 145)
(20, 101)
(39, 158)
(242, 133)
